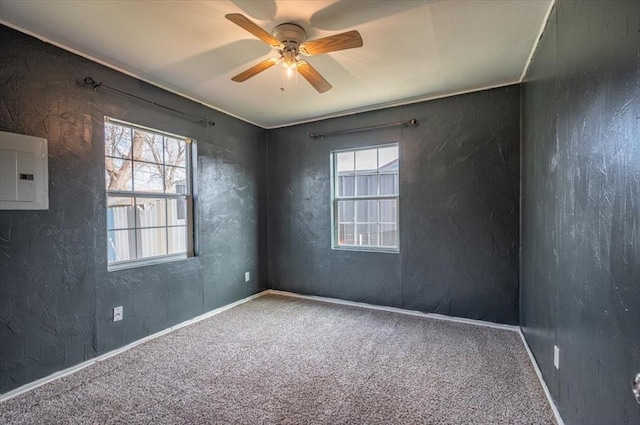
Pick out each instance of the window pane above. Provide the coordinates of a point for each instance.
(177, 239)
(346, 185)
(388, 159)
(345, 162)
(152, 242)
(346, 234)
(389, 235)
(368, 230)
(176, 212)
(367, 234)
(120, 213)
(174, 152)
(151, 212)
(121, 245)
(366, 211)
(117, 141)
(175, 180)
(367, 185)
(367, 160)
(117, 174)
(388, 184)
(346, 211)
(148, 177)
(389, 211)
(147, 147)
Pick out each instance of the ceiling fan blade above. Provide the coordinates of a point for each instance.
(244, 22)
(313, 77)
(342, 41)
(255, 69)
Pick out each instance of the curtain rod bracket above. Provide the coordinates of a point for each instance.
(89, 82)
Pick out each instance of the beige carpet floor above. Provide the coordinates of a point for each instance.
(282, 360)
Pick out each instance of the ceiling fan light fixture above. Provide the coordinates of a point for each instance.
(289, 59)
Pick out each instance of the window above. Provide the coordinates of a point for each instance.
(148, 182)
(365, 198)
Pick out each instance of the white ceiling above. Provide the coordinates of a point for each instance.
(413, 50)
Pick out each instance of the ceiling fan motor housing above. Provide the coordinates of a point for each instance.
(290, 35)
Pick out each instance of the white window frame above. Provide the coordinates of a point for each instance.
(335, 198)
(190, 151)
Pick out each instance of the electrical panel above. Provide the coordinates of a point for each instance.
(24, 173)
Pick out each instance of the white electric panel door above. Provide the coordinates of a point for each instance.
(8, 173)
(24, 175)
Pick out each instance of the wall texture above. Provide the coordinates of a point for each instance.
(56, 295)
(580, 256)
(459, 199)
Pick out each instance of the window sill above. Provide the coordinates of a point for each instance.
(124, 265)
(366, 249)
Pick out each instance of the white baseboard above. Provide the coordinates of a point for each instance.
(554, 408)
(397, 310)
(73, 369)
(556, 412)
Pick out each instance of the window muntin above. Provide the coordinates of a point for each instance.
(365, 198)
(147, 178)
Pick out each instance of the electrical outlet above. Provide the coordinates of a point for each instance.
(117, 314)
(247, 277)
(556, 357)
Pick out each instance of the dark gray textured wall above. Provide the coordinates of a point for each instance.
(55, 293)
(580, 257)
(459, 200)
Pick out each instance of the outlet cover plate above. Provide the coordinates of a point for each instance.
(117, 314)
(556, 357)
(247, 276)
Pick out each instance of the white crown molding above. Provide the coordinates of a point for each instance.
(535, 44)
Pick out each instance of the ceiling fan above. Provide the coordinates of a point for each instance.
(290, 41)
